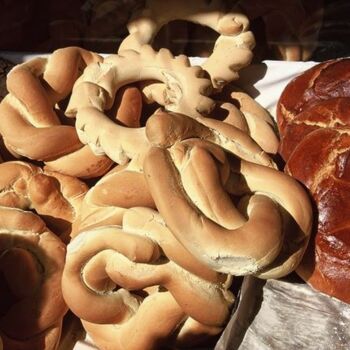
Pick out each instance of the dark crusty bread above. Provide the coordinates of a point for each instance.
(331, 113)
(321, 162)
(326, 80)
(314, 122)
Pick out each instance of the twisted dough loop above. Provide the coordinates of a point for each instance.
(32, 260)
(56, 197)
(185, 92)
(132, 207)
(165, 316)
(165, 128)
(213, 230)
(103, 258)
(232, 50)
(29, 119)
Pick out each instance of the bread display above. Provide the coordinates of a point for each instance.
(313, 116)
(154, 181)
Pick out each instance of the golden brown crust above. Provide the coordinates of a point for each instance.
(47, 340)
(214, 230)
(232, 50)
(56, 197)
(29, 118)
(104, 258)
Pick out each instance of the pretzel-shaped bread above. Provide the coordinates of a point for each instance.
(94, 93)
(55, 197)
(100, 259)
(30, 123)
(31, 262)
(232, 50)
(132, 207)
(198, 178)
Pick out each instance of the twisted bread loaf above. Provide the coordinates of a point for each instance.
(101, 259)
(30, 121)
(198, 210)
(232, 50)
(315, 129)
(94, 93)
(55, 197)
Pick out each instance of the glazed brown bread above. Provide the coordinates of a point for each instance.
(324, 81)
(330, 113)
(314, 122)
(321, 162)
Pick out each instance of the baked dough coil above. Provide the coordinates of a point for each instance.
(55, 197)
(118, 279)
(121, 143)
(232, 50)
(94, 93)
(102, 213)
(31, 265)
(166, 128)
(237, 108)
(31, 118)
(192, 183)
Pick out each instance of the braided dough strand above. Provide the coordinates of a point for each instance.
(201, 215)
(56, 197)
(29, 119)
(186, 92)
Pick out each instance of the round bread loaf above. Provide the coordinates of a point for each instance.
(313, 119)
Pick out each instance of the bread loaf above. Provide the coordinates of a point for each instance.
(314, 121)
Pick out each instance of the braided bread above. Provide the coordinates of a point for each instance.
(314, 123)
(30, 122)
(55, 197)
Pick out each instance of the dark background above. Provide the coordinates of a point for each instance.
(100, 25)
